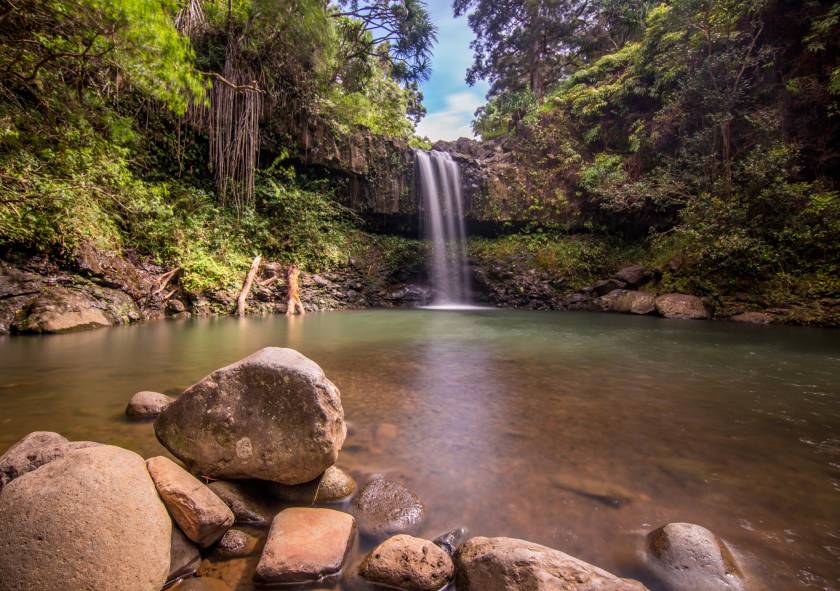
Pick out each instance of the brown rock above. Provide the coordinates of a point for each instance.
(634, 275)
(753, 318)
(89, 520)
(234, 543)
(689, 557)
(628, 302)
(408, 563)
(146, 404)
(184, 557)
(61, 309)
(507, 564)
(679, 305)
(272, 416)
(245, 499)
(34, 450)
(385, 508)
(334, 486)
(200, 514)
(305, 545)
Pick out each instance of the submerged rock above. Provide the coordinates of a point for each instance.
(385, 508)
(147, 405)
(408, 563)
(689, 557)
(679, 305)
(273, 415)
(200, 514)
(89, 520)
(508, 564)
(753, 318)
(602, 491)
(628, 302)
(305, 545)
(184, 557)
(34, 450)
(333, 486)
(246, 499)
(233, 544)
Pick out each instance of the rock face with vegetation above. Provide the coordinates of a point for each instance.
(507, 564)
(273, 415)
(89, 520)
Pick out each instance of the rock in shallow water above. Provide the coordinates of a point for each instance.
(508, 564)
(234, 543)
(409, 563)
(628, 302)
(89, 520)
(385, 508)
(689, 557)
(200, 514)
(147, 405)
(305, 545)
(246, 499)
(184, 557)
(679, 305)
(273, 415)
(333, 486)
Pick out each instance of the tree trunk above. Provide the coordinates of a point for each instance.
(246, 287)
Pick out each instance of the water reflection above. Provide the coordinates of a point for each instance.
(572, 430)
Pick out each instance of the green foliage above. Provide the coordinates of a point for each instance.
(503, 112)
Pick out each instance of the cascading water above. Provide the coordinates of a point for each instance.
(439, 182)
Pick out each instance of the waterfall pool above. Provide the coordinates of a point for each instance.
(502, 421)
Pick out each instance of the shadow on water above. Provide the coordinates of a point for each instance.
(578, 431)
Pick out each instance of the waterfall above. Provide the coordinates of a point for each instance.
(439, 182)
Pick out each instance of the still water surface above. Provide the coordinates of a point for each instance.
(506, 422)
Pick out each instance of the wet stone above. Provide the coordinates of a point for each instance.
(200, 514)
(409, 563)
(305, 545)
(246, 499)
(385, 508)
(333, 486)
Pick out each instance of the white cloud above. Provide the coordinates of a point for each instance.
(454, 120)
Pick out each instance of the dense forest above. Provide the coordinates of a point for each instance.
(698, 137)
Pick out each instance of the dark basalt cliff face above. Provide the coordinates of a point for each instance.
(378, 180)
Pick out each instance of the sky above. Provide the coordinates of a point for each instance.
(450, 102)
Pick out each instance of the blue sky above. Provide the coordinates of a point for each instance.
(450, 102)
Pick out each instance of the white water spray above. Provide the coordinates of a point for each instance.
(439, 183)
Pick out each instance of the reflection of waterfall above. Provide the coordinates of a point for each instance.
(439, 182)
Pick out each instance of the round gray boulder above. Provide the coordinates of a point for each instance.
(689, 557)
(273, 416)
(147, 405)
(89, 520)
(34, 450)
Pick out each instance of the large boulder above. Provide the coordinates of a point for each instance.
(409, 563)
(628, 302)
(385, 508)
(34, 450)
(273, 415)
(147, 405)
(689, 557)
(680, 305)
(200, 514)
(507, 564)
(89, 520)
(61, 309)
(753, 318)
(305, 545)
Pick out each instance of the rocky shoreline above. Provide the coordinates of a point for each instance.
(38, 296)
(268, 429)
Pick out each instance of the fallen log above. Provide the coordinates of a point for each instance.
(246, 287)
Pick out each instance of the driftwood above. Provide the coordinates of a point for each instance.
(246, 287)
(164, 279)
